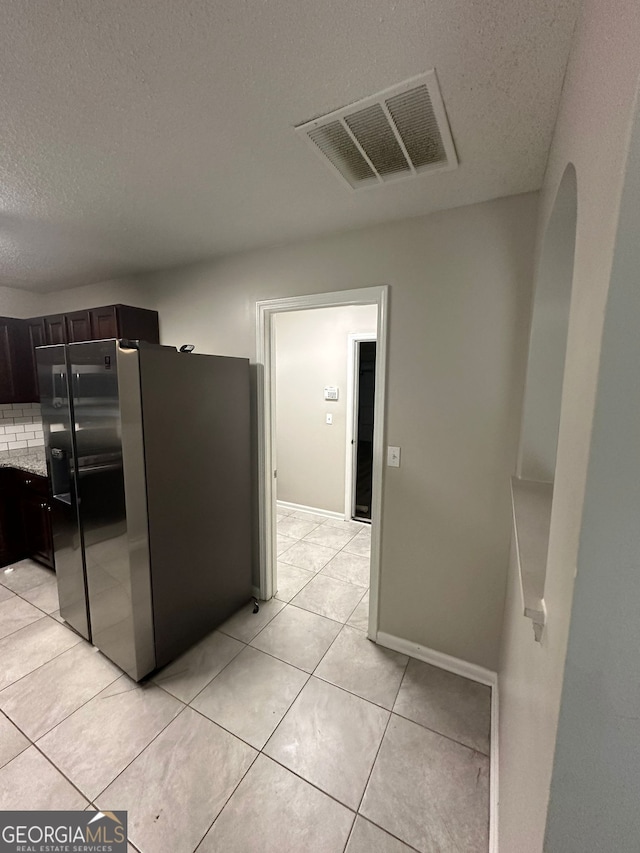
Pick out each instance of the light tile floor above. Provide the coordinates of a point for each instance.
(285, 730)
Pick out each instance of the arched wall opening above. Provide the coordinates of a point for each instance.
(532, 487)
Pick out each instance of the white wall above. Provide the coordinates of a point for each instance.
(548, 340)
(459, 306)
(19, 303)
(592, 132)
(25, 303)
(312, 352)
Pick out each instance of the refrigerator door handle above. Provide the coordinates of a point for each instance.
(61, 471)
(64, 498)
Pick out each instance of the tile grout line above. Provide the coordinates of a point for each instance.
(373, 763)
(308, 782)
(441, 734)
(338, 551)
(325, 681)
(280, 660)
(232, 734)
(300, 607)
(90, 800)
(33, 622)
(228, 663)
(353, 826)
(37, 586)
(55, 621)
(404, 673)
(240, 781)
(391, 711)
(262, 752)
(388, 832)
(58, 770)
(308, 675)
(70, 712)
(138, 754)
(304, 585)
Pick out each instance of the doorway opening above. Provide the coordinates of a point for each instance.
(361, 389)
(267, 430)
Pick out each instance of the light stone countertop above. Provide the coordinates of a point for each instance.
(31, 460)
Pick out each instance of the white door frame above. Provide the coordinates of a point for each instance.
(265, 364)
(352, 414)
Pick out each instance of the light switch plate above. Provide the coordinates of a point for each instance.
(393, 457)
(328, 418)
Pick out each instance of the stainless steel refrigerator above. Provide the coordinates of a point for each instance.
(148, 451)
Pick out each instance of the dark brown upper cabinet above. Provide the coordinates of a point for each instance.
(37, 337)
(16, 375)
(112, 321)
(19, 338)
(125, 321)
(104, 323)
(36, 332)
(78, 326)
(55, 329)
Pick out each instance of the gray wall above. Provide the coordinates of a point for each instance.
(459, 306)
(596, 776)
(592, 132)
(19, 303)
(312, 352)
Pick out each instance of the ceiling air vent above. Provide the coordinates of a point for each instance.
(399, 133)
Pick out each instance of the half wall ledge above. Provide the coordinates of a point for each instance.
(531, 504)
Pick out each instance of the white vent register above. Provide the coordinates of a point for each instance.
(399, 133)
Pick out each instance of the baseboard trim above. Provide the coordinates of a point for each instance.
(302, 508)
(474, 673)
(451, 664)
(494, 770)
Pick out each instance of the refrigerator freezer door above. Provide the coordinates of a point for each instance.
(57, 422)
(112, 507)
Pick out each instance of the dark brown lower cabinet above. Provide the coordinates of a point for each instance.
(36, 520)
(25, 518)
(11, 530)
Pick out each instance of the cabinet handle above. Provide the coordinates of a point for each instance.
(27, 482)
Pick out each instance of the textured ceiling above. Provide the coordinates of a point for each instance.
(139, 134)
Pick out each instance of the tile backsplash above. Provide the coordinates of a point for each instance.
(20, 426)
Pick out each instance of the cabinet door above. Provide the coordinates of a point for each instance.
(55, 329)
(104, 323)
(12, 545)
(36, 332)
(7, 389)
(16, 384)
(37, 338)
(138, 324)
(36, 517)
(78, 327)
